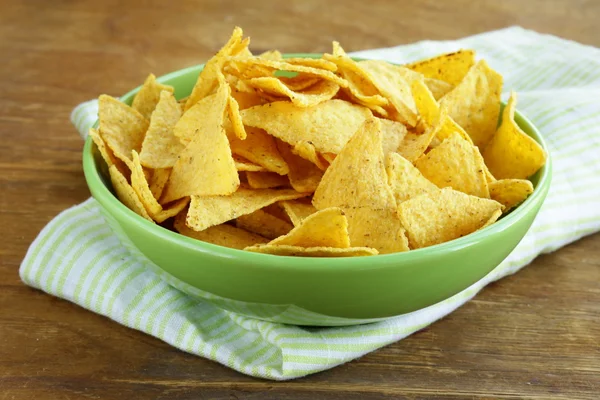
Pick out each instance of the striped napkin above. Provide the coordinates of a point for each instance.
(78, 258)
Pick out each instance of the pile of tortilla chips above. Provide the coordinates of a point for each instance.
(321, 157)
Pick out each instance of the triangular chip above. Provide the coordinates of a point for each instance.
(512, 154)
(298, 210)
(414, 145)
(158, 181)
(125, 193)
(304, 176)
(455, 163)
(263, 224)
(107, 153)
(438, 88)
(438, 217)
(141, 187)
(405, 180)
(266, 180)
(318, 93)
(147, 98)
(170, 210)
(233, 110)
(206, 211)
(307, 150)
(297, 251)
(357, 183)
(299, 82)
(320, 63)
(510, 192)
(161, 147)
(244, 165)
(205, 167)
(222, 235)
(451, 67)
(121, 127)
(475, 103)
(392, 135)
(328, 125)
(259, 148)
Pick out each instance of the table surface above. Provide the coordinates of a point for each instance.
(533, 335)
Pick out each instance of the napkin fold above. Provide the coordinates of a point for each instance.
(78, 258)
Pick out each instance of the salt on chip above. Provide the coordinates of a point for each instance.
(328, 125)
(206, 211)
(438, 217)
(318, 93)
(121, 127)
(357, 183)
(205, 167)
(259, 148)
(126, 194)
(266, 180)
(263, 224)
(405, 179)
(297, 251)
(457, 164)
(475, 103)
(147, 98)
(298, 210)
(304, 176)
(510, 192)
(222, 235)
(161, 147)
(451, 67)
(512, 154)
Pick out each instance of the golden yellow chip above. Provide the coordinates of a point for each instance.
(233, 110)
(304, 176)
(492, 219)
(392, 135)
(438, 88)
(297, 251)
(206, 211)
(306, 150)
(328, 125)
(475, 103)
(141, 187)
(510, 192)
(357, 183)
(451, 67)
(259, 148)
(457, 164)
(222, 235)
(147, 98)
(246, 100)
(266, 180)
(171, 209)
(205, 166)
(318, 93)
(208, 78)
(299, 83)
(329, 157)
(161, 147)
(438, 217)
(105, 152)
(276, 210)
(264, 224)
(298, 210)
(271, 55)
(158, 181)
(406, 180)
(414, 145)
(244, 165)
(319, 63)
(512, 154)
(125, 193)
(121, 127)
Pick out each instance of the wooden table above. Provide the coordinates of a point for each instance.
(533, 335)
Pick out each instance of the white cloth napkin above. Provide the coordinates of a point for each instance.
(78, 258)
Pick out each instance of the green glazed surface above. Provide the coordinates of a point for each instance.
(326, 291)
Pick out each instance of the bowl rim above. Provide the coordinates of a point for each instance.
(109, 201)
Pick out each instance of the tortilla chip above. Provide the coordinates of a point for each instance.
(492, 219)
(457, 164)
(246, 100)
(147, 98)
(392, 135)
(271, 55)
(263, 224)
(438, 217)
(319, 63)
(298, 210)
(510, 192)
(426, 105)
(105, 152)
(299, 83)
(121, 127)
(208, 78)
(244, 165)
(306, 150)
(451, 67)
(304, 176)
(475, 103)
(161, 147)
(233, 110)
(260, 149)
(438, 88)
(357, 183)
(405, 180)
(158, 181)
(222, 235)
(172, 209)
(318, 93)
(141, 187)
(125, 193)
(205, 167)
(276, 210)
(266, 180)
(206, 211)
(296, 251)
(414, 145)
(328, 125)
(512, 154)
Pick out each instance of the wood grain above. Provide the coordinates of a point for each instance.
(535, 335)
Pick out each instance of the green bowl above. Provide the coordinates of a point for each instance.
(312, 291)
